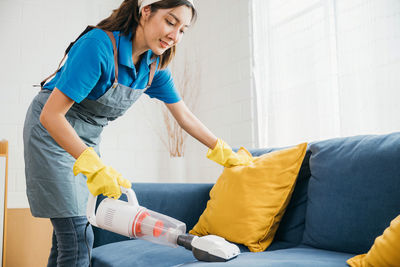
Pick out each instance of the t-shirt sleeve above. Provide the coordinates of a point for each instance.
(163, 87)
(86, 61)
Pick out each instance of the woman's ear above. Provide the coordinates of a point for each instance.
(146, 11)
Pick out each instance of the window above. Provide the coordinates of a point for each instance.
(325, 68)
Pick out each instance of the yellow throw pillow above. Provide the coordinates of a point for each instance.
(247, 202)
(386, 249)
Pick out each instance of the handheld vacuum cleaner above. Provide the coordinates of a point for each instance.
(131, 220)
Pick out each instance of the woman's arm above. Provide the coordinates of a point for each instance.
(53, 119)
(191, 124)
(101, 179)
(219, 151)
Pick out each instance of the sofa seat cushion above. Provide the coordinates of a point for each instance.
(137, 253)
(301, 256)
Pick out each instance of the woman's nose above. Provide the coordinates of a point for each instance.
(174, 36)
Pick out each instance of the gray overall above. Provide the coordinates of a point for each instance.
(52, 189)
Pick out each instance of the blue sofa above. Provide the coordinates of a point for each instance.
(347, 192)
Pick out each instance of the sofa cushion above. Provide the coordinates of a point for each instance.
(385, 251)
(291, 227)
(353, 191)
(138, 253)
(247, 202)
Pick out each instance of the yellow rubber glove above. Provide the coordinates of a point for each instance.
(101, 179)
(223, 154)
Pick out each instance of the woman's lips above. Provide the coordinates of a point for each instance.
(163, 44)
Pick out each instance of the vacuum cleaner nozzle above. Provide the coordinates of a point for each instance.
(209, 248)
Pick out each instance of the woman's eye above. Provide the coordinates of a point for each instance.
(169, 22)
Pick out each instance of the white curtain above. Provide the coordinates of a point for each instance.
(325, 68)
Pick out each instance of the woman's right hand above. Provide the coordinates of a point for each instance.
(101, 179)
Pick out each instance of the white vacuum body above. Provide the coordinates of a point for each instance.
(134, 221)
(131, 220)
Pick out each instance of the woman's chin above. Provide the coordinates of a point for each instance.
(158, 50)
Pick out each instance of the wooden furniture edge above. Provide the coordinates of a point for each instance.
(4, 153)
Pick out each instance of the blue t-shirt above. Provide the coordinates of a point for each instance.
(89, 70)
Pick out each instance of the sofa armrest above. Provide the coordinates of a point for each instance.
(184, 202)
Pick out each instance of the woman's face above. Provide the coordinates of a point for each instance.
(165, 27)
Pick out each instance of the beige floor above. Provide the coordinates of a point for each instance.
(28, 239)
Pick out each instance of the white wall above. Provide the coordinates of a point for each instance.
(35, 34)
(221, 41)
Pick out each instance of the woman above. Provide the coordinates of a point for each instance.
(107, 69)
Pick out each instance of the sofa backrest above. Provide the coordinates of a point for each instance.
(353, 192)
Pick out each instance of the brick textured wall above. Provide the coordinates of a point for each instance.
(34, 37)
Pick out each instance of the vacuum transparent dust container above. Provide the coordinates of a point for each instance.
(131, 220)
(157, 228)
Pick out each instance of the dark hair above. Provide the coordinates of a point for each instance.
(126, 19)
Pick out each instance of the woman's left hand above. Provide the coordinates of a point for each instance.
(222, 154)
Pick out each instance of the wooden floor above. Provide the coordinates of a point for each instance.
(28, 239)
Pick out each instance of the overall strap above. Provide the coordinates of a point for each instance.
(42, 83)
(88, 28)
(153, 68)
(114, 43)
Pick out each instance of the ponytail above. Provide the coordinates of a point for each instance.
(124, 19)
